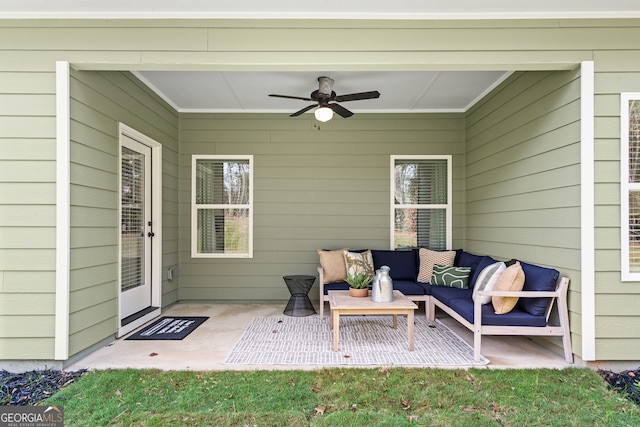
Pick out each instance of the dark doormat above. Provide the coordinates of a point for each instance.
(169, 328)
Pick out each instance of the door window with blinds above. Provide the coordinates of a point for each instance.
(222, 206)
(630, 185)
(135, 212)
(421, 202)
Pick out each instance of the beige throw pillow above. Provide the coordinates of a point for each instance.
(429, 258)
(333, 265)
(512, 279)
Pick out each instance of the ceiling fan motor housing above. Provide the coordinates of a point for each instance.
(325, 86)
(325, 94)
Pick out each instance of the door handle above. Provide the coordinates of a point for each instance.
(150, 234)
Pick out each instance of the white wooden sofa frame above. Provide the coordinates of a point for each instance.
(559, 296)
(415, 298)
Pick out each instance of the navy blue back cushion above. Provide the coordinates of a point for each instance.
(458, 253)
(466, 259)
(476, 262)
(537, 278)
(403, 264)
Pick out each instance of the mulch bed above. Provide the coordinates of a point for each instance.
(29, 388)
(627, 382)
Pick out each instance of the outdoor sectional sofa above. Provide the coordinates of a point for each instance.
(543, 288)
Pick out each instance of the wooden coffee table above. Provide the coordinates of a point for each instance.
(342, 304)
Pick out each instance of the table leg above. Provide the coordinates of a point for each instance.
(410, 329)
(395, 321)
(335, 315)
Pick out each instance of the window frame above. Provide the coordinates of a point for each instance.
(448, 207)
(625, 186)
(195, 206)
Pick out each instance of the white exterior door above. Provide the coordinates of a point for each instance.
(136, 227)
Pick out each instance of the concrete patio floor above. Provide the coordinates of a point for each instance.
(207, 347)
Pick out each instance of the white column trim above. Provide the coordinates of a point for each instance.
(587, 210)
(63, 210)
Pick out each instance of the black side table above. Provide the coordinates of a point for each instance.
(299, 304)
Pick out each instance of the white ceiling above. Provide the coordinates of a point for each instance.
(248, 91)
(420, 91)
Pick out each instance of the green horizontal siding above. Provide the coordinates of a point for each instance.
(523, 175)
(99, 102)
(27, 213)
(519, 164)
(617, 331)
(326, 188)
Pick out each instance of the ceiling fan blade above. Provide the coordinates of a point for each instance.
(304, 110)
(340, 110)
(357, 96)
(291, 97)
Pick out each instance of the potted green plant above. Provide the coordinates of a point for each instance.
(359, 284)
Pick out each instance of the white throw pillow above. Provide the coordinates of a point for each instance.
(487, 280)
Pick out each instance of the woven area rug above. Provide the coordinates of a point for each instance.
(364, 340)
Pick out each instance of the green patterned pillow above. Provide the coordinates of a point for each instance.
(453, 277)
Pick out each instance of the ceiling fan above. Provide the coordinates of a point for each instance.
(324, 97)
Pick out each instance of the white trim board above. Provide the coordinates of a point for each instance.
(587, 210)
(328, 9)
(63, 210)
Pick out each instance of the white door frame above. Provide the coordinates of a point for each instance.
(156, 219)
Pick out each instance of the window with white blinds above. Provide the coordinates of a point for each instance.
(132, 233)
(630, 185)
(222, 206)
(421, 202)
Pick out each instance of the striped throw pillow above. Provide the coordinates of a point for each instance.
(487, 280)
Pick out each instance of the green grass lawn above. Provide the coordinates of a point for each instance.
(345, 397)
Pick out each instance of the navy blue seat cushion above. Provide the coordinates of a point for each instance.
(477, 264)
(337, 286)
(409, 287)
(403, 264)
(516, 317)
(445, 294)
(537, 278)
(426, 286)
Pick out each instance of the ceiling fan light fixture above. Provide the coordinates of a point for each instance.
(324, 114)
